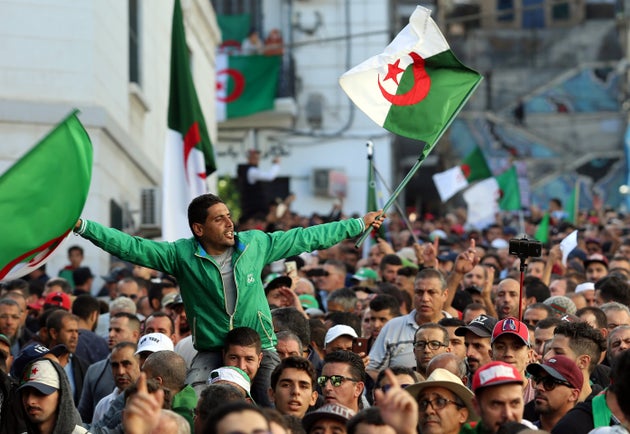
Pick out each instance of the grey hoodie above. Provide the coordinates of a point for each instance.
(68, 418)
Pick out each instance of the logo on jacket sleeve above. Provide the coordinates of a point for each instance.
(250, 278)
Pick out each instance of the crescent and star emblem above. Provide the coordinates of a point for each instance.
(239, 84)
(421, 85)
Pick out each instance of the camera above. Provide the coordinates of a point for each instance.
(525, 248)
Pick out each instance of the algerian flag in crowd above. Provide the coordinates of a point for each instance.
(245, 84)
(482, 203)
(542, 231)
(416, 87)
(188, 153)
(42, 196)
(473, 168)
(510, 193)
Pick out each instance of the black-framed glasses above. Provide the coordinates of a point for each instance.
(433, 345)
(437, 404)
(335, 380)
(550, 383)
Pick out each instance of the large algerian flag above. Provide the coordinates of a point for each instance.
(42, 196)
(510, 193)
(246, 84)
(416, 87)
(474, 167)
(188, 153)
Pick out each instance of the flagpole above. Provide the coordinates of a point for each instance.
(397, 205)
(391, 200)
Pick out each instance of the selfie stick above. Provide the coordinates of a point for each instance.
(523, 267)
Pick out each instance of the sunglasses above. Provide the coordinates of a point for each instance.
(335, 380)
(550, 383)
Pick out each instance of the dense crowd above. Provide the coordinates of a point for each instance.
(284, 326)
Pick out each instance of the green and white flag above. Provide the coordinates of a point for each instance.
(246, 84)
(188, 152)
(474, 167)
(509, 190)
(416, 87)
(42, 196)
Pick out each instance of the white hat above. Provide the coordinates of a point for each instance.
(41, 375)
(339, 330)
(499, 243)
(586, 286)
(231, 374)
(155, 342)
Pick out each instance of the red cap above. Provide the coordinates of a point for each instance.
(495, 374)
(596, 257)
(511, 325)
(561, 368)
(59, 299)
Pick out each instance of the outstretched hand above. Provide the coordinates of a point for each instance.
(142, 411)
(398, 408)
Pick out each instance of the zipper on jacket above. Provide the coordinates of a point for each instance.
(235, 286)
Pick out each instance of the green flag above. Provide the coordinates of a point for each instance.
(509, 192)
(42, 196)
(572, 206)
(542, 231)
(475, 167)
(184, 112)
(234, 29)
(416, 87)
(246, 84)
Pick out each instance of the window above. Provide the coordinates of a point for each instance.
(134, 42)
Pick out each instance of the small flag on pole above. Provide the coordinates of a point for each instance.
(42, 196)
(416, 87)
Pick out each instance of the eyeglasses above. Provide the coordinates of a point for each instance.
(433, 345)
(550, 383)
(335, 380)
(386, 387)
(131, 296)
(437, 403)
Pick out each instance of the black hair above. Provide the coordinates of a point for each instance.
(357, 368)
(369, 416)
(289, 318)
(243, 337)
(600, 315)
(217, 415)
(198, 208)
(534, 287)
(583, 339)
(299, 363)
(385, 301)
(84, 305)
(620, 381)
(215, 395)
(614, 288)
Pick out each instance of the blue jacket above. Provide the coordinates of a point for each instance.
(199, 276)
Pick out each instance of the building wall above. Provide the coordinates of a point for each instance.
(58, 55)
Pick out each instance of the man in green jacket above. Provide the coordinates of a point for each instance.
(219, 273)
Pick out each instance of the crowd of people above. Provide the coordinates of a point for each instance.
(284, 326)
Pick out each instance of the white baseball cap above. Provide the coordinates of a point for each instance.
(154, 342)
(339, 330)
(42, 376)
(231, 374)
(586, 286)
